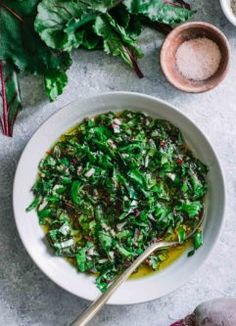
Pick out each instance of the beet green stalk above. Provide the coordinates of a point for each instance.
(11, 99)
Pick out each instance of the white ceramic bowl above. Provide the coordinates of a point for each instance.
(226, 7)
(32, 235)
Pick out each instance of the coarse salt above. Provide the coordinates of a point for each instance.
(198, 59)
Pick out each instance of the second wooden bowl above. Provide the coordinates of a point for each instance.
(184, 33)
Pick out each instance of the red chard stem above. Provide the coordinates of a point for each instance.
(134, 63)
(178, 3)
(11, 11)
(136, 68)
(184, 4)
(4, 123)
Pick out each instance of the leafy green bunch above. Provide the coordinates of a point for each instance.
(37, 37)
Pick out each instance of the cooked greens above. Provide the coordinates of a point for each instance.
(113, 185)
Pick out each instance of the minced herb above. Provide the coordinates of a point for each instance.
(113, 185)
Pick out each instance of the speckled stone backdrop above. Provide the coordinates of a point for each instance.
(27, 296)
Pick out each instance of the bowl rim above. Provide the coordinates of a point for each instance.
(181, 28)
(228, 12)
(80, 101)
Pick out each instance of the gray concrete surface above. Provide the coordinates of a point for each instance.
(27, 296)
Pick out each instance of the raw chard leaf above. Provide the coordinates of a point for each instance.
(22, 47)
(126, 37)
(55, 83)
(11, 99)
(160, 27)
(134, 27)
(91, 41)
(117, 42)
(37, 36)
(121, 15)
(101, 5)
(131, 23)
(167, 12)
(60, 23)
(77, 35)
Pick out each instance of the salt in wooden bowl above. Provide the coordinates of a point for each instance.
(176, 38)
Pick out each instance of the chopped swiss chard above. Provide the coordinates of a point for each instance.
(113, 185)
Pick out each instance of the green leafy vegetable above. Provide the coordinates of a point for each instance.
(21, 46)
(21, 49)
(101, 5)
(53, 19)
(75, 192)
(112, 186)
(37, 36)
(35, 203)
(55, 83)
(191, 208)
(198, 240)
(181, 234)
(166, 12)
(117, 42)
(11, 98)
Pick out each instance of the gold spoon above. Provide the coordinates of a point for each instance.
(96, 306)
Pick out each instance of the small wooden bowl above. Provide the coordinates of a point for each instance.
(184, 33)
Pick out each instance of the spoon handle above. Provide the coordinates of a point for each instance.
(96, 306)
